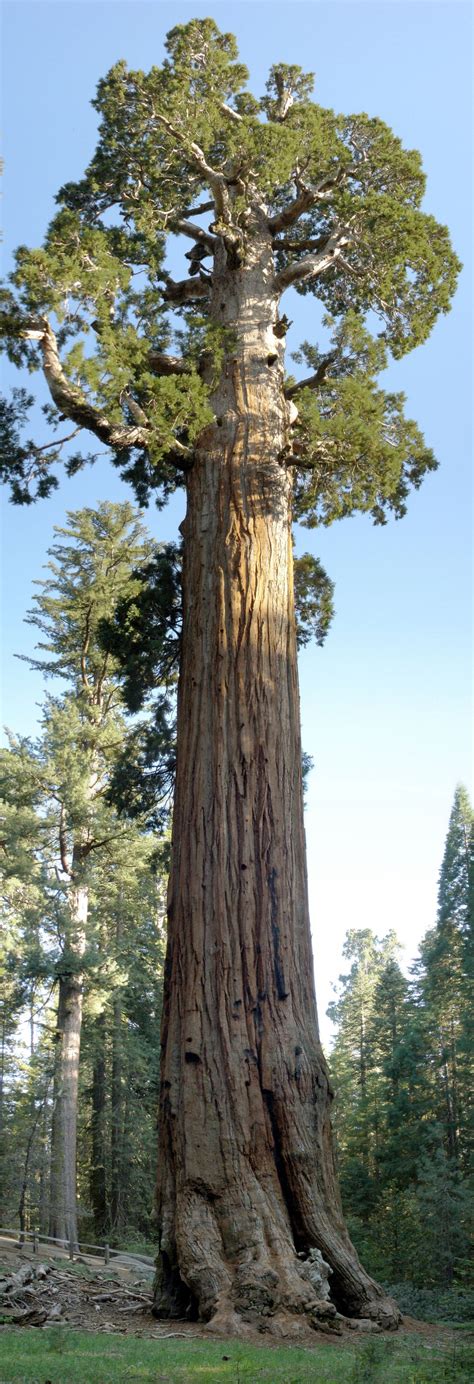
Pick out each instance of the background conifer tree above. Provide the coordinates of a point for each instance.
(402, 1067)
(446, 983)
(58, 822)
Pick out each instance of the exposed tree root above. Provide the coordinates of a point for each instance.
(239, 1277)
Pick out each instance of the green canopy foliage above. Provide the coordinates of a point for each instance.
(56, 812)
(186, 151)
(361, 452)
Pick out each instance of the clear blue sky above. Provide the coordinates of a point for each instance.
(386, 706)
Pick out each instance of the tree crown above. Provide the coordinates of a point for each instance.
(185, 152)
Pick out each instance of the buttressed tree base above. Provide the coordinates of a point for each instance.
(271, 193)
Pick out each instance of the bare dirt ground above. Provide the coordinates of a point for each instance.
(47, 1289)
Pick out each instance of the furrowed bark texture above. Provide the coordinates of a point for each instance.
(98, 1188)
(116, 1190)
(246, 1171)
(63, 1211)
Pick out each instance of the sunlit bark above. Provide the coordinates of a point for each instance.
(246, 1171)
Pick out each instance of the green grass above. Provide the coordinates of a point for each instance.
(59, 1355)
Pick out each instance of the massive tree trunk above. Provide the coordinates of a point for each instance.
(44, 1169)
(116, 1189)
(247, 1183)
(63, 1207)
(116, 1114)
(97, 1180)
(23, 1202)
(2, 1068)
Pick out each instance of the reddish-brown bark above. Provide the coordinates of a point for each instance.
(246, 1170)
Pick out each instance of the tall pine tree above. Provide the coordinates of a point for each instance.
(446, 983)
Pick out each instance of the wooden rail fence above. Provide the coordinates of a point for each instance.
(74, 1247)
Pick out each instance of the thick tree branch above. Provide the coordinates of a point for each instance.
(311, 243)
(162, 364)
(285, 99)
(180, 456)
(136, 411)
(65, 866)
(100, 681)
(185, 290)
(308, 457)
(312, 381)
(297, 208)
(197, 211)
(71, 401)
(233, 115)
(197, 233)
(313, 265)
(307, 198)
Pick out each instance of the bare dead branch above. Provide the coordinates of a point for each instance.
(57, 442)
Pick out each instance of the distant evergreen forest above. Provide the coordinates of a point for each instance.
(402, 1069)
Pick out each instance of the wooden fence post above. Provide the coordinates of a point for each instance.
(106, 1254)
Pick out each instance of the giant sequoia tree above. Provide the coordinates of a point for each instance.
(183, 380)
